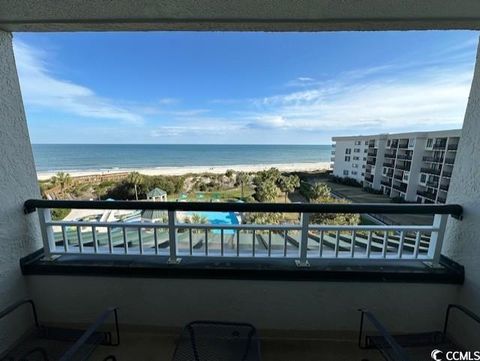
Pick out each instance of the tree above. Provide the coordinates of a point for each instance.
(266, 191)
(243, 178)
(199, 219)
(319, 191)
(63, 180)
(288, 184)
(135, 179)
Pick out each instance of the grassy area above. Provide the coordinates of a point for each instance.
(226, 195)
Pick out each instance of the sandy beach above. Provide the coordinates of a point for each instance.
(289, 167)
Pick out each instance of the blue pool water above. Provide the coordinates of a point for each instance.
(218, 218)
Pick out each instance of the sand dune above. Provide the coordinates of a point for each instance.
(289, 167)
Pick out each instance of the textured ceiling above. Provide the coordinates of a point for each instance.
(266, 15)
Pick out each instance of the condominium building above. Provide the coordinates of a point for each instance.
(414, 166)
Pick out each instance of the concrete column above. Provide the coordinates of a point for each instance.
(462, 238)
(18, 181)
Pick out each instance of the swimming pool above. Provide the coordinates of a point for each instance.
(218, 218)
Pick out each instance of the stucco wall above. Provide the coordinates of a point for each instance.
(17, 183)
(462, 238)
(270, 305)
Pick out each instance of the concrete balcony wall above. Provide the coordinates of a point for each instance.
(18, 234)
(283, 306)
(462, 237)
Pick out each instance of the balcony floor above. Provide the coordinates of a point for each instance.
(150, 347)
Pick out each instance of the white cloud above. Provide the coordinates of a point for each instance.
(42, 89)
(392, 99)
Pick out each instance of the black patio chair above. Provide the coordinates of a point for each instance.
(411, 346)
(218, 341)
(42, 343)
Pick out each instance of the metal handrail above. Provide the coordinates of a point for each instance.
(399, 351)
(16, 305)
(453, 209)
(90, 331)
(461, 308)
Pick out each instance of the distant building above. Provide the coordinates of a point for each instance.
(155, 215)
(414, 166)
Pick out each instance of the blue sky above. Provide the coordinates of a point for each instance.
(233, 88)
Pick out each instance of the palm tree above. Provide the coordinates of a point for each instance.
(63, 180)
(319, 191)
(243, 178)
(135, 179)
(289, 184)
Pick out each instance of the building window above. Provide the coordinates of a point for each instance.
(357, 142)
(429, 143)
(354, 173)
(389, 142)
(347, 158)
(348, 151)
(345, 172)
(363, 166)
(366, 142)
(363, 174)
(365, 150)
(356, 158)
(423, 178)
(354, 165)
(356, 150)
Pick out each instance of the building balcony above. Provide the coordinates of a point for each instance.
(387, 183)
(447, 174)
(431, 171)
(372, 153)
(151, 270)
(433, 159)
(390, 155)
(444, 187)
(442, 199)
(400, 187)
(403, 145)
(388, 164)
(398, 177)
(449, 161)
(370, 162)
(432, 184)
(430, 195)
(452, 146)
(404, 157)
(403, 166)
(440, 145)
(369, 178)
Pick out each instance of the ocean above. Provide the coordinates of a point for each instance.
(107, 157)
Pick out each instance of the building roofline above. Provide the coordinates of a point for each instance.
(434, 133)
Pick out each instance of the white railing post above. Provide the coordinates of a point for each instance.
(303, 262)
(48, 237)
(436, 238)
(173, 259)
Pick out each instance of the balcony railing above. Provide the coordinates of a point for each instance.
(403, 167)
(400, 187)
(431, 171)
(433, 159)
(444, 187)
(386, 183)
(301, 241)
(428, 195)
(404, 157)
